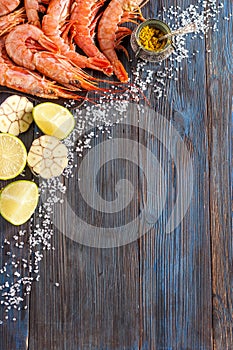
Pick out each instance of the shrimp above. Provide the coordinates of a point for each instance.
(110, 34)
(84, 14)
(33, 7)
(9, 21)
(55, 17)
(7, 6)
(22, 79)
(26, 45)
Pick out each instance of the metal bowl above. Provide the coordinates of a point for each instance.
(150, 55)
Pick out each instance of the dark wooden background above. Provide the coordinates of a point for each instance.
(162, 292)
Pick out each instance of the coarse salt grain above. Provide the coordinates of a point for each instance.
(143, 79)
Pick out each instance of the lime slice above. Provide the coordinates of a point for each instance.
(18, 201)
(13, 156)
(53, 119)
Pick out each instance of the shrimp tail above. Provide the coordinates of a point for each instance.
(120, 71)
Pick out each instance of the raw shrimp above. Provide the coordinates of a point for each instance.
(22, 79)
(54, 19)
(9, 21)
(7, 6)
(110, 34)
(24, 44)
(84, 15)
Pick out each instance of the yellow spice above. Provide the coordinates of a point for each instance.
(149, 36)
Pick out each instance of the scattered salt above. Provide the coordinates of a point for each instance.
(144, 78)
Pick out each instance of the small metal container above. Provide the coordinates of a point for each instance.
(149, 55)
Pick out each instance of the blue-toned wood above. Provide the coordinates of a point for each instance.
(219, 107)
(14, 331)
(164, 291)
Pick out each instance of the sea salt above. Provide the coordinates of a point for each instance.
(145, 78)
(205, 16)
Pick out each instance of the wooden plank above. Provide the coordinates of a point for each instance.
(13, 334)
(219, 107)
(96, 305)
(175, 269)
(14, 331)
(155, 293)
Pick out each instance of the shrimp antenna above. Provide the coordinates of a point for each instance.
(143, 3)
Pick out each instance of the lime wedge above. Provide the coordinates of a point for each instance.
(53, 119)
(13, 156)
(18, 201)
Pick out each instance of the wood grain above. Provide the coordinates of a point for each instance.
(162, 291)
(98, 293)
(175, 268)
(219, 108)
(14, 335)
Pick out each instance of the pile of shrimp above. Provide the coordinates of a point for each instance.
(40, 44)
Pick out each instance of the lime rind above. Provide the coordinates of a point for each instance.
(9, 163)
(15, 206)
(53, 119)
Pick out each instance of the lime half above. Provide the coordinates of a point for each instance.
(18, 201)
(53, 119)
(13, 156)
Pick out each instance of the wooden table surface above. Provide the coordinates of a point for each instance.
(162, 291)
